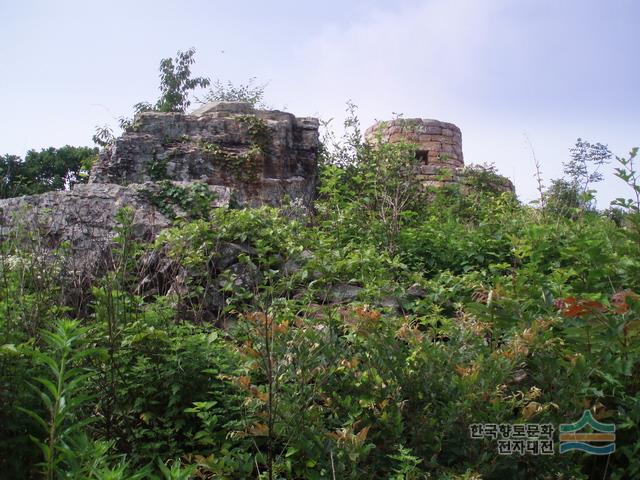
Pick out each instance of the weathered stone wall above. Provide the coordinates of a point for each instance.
(261, 155)
(439, 145)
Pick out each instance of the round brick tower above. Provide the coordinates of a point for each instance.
(439, 144)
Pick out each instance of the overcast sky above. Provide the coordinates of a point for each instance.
(502, 70)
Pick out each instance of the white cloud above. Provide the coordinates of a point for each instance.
(411, 60)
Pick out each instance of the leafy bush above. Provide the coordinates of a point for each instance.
(360, 341)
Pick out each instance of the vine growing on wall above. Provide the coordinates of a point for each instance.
(157, 169)
(194, 200)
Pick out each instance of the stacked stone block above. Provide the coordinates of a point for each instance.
(439, 145)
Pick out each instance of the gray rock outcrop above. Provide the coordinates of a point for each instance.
(82, 220)
(262, 156)
(225, 153)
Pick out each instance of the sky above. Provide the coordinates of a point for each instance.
(519, 77)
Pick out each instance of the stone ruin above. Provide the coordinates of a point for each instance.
(439, 145)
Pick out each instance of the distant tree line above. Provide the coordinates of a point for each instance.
(49, 169)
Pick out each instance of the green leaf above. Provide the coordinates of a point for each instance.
(53, 389)
(36, 417)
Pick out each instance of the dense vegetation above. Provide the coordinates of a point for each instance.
(357, 341)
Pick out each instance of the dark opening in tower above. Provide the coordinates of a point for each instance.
(422, 155)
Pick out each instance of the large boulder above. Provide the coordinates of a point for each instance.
(84, 219)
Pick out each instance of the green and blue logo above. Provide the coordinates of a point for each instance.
(571, 439)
